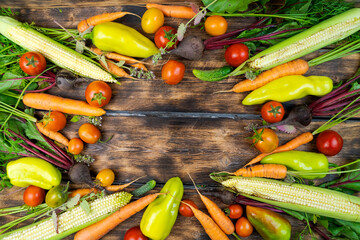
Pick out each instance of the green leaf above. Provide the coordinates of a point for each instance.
(229, 6)
(72, 202)
(6, 84)
(75, 118)
(85, 206)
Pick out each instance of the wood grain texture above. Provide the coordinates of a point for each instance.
(160, 131)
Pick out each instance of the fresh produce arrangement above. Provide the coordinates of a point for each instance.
(52, 132)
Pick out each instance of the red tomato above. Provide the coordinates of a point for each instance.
(89, 133)
(216, 25)
(329, 143)
(135, 233)
(75, 146)
(235, 211)
(173, 72)
(185, 210)
(54, 121)
(32, 63)
(236, 54)
(243, 227)
(272, 112)
(163, 36)
(33, 196)
(265, 140)
(98, 93)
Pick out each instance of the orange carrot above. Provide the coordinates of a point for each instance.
(118, 57)
(276, 171)
(173, 11)
(216, 213)
(49, 102)
(82, 192)
(115, 70)
(210, 227)
(116, 188)
(56, 136)
(296, 67)
(99, 229)
(105, 17)
(294, 143)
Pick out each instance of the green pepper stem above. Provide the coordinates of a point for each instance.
(236, 236)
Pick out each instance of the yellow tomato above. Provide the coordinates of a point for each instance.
(152, 20)
(216, 25)
(105, 177)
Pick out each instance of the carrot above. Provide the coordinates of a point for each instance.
(210, 227)
(56, 136)
(296, 67)
(173, 11)
(49, 102)
(115, 70)
(276, 171)
(118, 57)
(216, 213)
(116, 188)
(105, 17)
(294, 143)
(82, 192)
(99, 229)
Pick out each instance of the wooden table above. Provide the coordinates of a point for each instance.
(161, 131)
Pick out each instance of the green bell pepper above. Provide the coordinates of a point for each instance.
(33, 171)
(160, 216)
(116, 37)
(290, 88)
(300, 161)
(269, 224)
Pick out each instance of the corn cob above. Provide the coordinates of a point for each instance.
(297, 197)
(57, 53)
(71, 221)
(312, 39)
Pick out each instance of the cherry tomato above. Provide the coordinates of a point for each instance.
(32, 63)
(56, 196)
(163, 36)
(98, 93)
(89, 133)
(216, 25)
(272, 112)
(54, 121)
(105, 177)
(235, 211)
(152, 20)
(185, 210)
(329, 143)
(243, 227)
(135, 233)
(236, 54)
(173, 72)
(33, 196)
(75, 146)
(265, 140)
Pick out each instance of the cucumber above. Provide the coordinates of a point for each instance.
(212, 75)
(144, 188)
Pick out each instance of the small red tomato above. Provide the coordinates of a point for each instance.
(75, 146)
(329, 143)
(234, 211)
(265, 140)
(185, 210)
(33, 196)
(32, 63)
(163, 35)
(89, 133)
(54, 121)
(98, 93)
(236, 54)
(272, 112)
(173, 72)
(135, 233)
(243, 227)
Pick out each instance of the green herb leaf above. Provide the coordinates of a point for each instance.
(75, 118)
(85, 206)
(6, 84)
(72, 202)
(229, 6)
